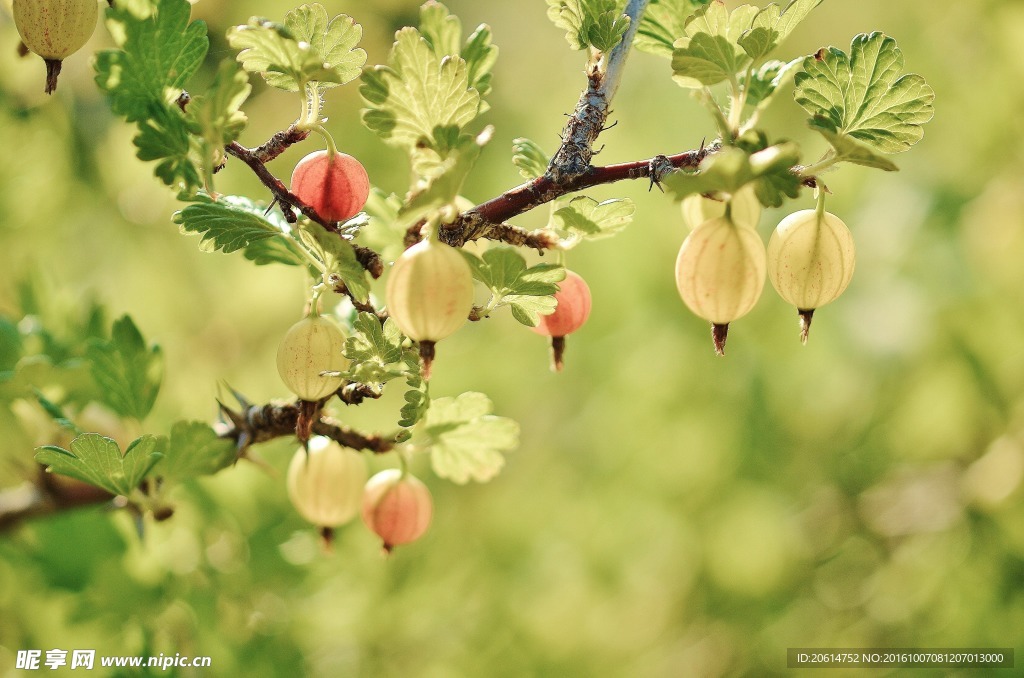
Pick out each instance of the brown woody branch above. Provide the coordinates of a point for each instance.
(486, 220)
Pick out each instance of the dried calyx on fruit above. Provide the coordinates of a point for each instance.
(429, 294)
(811, 258)
(720, 273)
(325, 484)
(335, 185)
(572, 310)
(55, 29)
(397, 506)
(744, 207)
(311, 347)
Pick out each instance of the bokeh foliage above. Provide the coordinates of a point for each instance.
(668, 512)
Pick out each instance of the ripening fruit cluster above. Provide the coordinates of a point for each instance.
(328, 486)
(54, 30)
(722, 264)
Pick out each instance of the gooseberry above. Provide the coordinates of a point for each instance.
(325, 484)
(572, 310)
(811, 258)
(55, 29)
(429, 294)
(335, 186)
(720, 274)
(312, 346)
(397, 506)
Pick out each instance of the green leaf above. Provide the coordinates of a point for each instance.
(663, 23)
(305, 49)
(216, 116)
(164, 137)
(772, 25)
(706, 59)
(195, 450)
(233, 223)
(531, 160)
(709, 52)
(863, 95)
(337, 255)
(584, 218)
(98, 461)
(599, 24)
(732, 168)
(127, 372)
(426, 95)
(375, 350)
(334, 42)
(417, 398)
(528, 291)
(467, 440)
(157, 56)
(443, 32)
(765, 82)
(158, 52)
(849, 149)
(447, 180)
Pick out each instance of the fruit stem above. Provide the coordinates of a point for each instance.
(427, 355)
(52, 71)
(557, 353)
(332, 148)
(719, 333)
(327, 539)
(805, 323)
(820, 207)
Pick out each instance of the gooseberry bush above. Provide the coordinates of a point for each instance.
(342, 235)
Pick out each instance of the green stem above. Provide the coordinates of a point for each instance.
(820, 207)
(709, 102)
(332, 148)
(820, 166)
(314, 301)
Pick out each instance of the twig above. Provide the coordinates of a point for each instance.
(486, 220)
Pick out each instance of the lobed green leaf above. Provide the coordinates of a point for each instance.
(863, 96)
(584, 218)
(194, 450)
(127, 372)
(233, 223)
(97, 460)
(663, 23)
(467, 441)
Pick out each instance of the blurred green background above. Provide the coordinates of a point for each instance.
(668, 513)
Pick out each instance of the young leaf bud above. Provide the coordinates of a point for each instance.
(810, 261)
(55, 29)
(325, 485)
(312, 345)
(397, 507)
(336, 187)
(720, 273)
